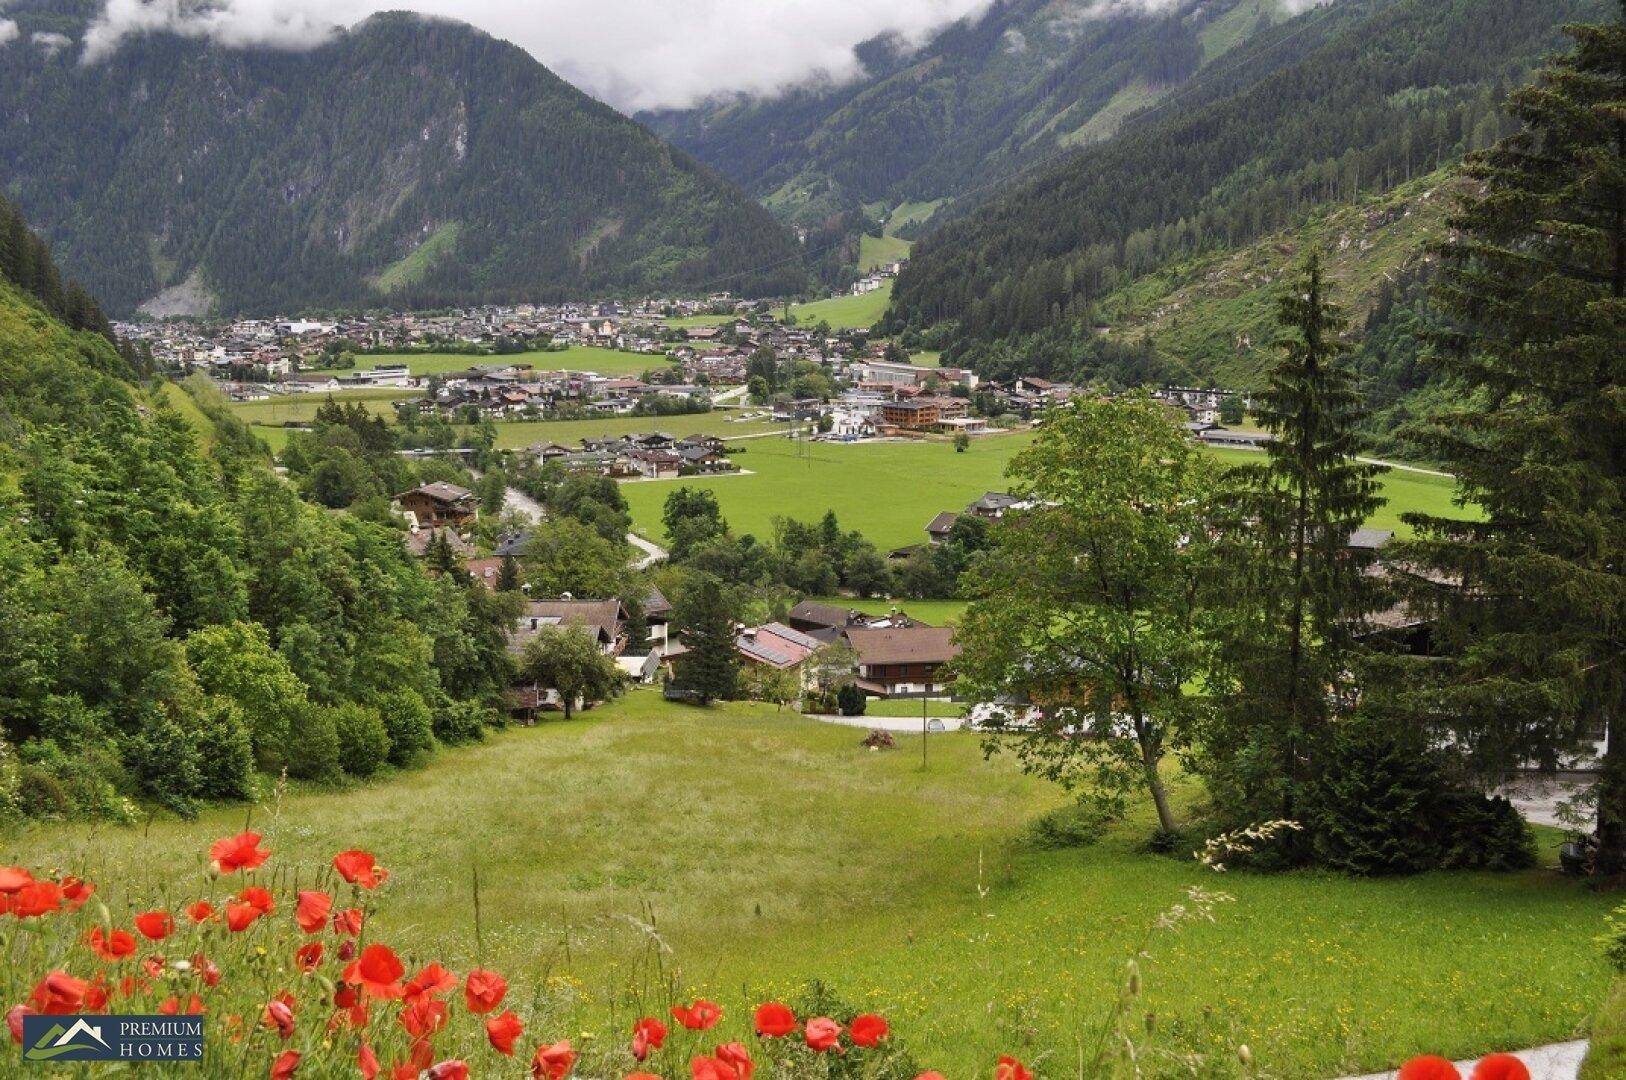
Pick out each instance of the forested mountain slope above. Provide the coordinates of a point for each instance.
(986, 96)
(173, 623)
(407, 161)
(1348, 100)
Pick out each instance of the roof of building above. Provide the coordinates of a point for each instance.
(993, 500)
(602, 617)
(776, 644)
(440, 491)
(656, 603)
(1370, 539)
(904, 644)
(943, 522)
(811, 611)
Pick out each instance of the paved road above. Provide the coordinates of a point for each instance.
(1558, 1061)
(652, 553)
(517, 502)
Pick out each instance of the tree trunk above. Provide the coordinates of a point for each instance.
(1150, 756)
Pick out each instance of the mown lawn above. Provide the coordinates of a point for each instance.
(301, 408)
(770, 850)
(931, 612)
(574, 358)
(889, 490)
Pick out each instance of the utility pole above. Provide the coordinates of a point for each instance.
(924, 730)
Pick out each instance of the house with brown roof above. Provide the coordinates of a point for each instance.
(903, 661)
(603, 619)
(437, 504)
(775, 645)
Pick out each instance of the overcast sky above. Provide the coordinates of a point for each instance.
(634, 53)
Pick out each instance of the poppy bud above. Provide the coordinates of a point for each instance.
(347, 950)
(1151, 1022)
(1134, 979)
(1244, 1055)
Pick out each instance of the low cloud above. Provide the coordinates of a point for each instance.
(636, 54)
(51, 43)
(8, 30)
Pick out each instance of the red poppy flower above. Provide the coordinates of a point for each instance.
(1500, 1067)
(59, 994)
(308, 956)
(868, 1029)
(930, 1076)
(774, 1020)
(96, 995)
(153, 966)
(432, 980)
(640, 1076)
(483, 990)
(234, 853)
(111, 947)
(647, 1034)
(352, 1009)
(75, 892)
(448, 1070)
(35, 899)
(347, 923)
(700, 1016)
(378, 972)
(311, 912)
(737, 1058)
(711, 1068)
(206, 969)
(1429, 1067)
(1009, 1068)
(822, 1033)
(360, 868)
(279, 1015)
(240, 915)
(553, 1062)
(14, 878)
(423, 1016)
(285, 1065)
(172, 1005)
(367, 1062)
(260, 898)
(503, 1031)
(155, 925)
(14, 1021)
(202, 911)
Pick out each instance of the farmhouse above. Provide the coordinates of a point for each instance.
(603, 619)
(902, 661)
(437, 504)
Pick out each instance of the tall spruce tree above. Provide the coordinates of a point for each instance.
(709, 670)
(1530, 630)
(1296, 592)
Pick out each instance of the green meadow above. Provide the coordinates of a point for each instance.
(889, 490)
(846, 312)
(767, 850)
(301, 408)
(724, 423)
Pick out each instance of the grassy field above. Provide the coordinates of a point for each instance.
(876, 251)
(514, 434)
(769, 850)
(301, 408)
(178, 399)
(846, 312)
(931, 612)
(899, 707)
(575, 358)
(888, 491)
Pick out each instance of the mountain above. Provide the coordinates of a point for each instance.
(985, 97)
(1340, 104)
(407, 161)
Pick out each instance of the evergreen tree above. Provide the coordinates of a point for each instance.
(1529, 602)
(508, 579)
(1300, 591)
(709, 670)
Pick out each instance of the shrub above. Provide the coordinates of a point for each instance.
(458, 722)
(313, 746)
(364, 742)
(1072, 826)
(1613, 939)
(409, 723)
(1484, 832)
(1369, 811)
(851, 700)
(163, 758)
(225, 752)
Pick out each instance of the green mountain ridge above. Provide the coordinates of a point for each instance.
(407, 161)
(986, 97)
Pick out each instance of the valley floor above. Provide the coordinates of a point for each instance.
(769, 850)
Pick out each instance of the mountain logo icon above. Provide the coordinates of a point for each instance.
(58, 1041)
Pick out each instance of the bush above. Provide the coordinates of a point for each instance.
(364, 742)
(458, 722)
(225, 752)
(851, 700)
(409, 723)
(1072, 826)
(164, 759)
(1484, 832)
(1613, 939)
(1370, 811)
(313, 746)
